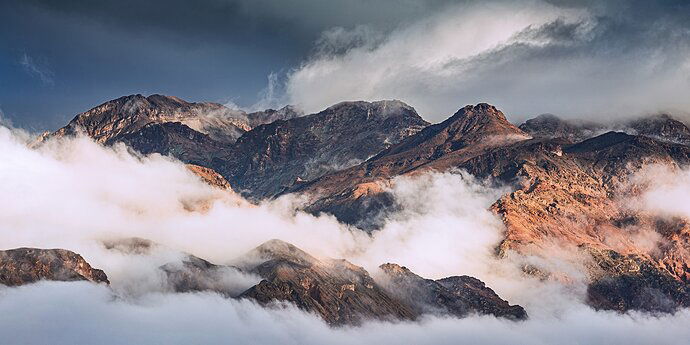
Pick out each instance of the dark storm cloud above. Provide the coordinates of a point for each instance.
(219, 50)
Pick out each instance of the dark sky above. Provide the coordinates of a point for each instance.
(58, 58)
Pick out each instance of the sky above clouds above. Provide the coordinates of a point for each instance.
(573, 58)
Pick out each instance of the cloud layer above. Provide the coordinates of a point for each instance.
(73, 194)
(621, 59)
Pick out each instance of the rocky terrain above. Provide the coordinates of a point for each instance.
(564, 193)
(569, 185)
(28, 265)
(457, 295)
(336, 290)
(261, 154)
(273, 158)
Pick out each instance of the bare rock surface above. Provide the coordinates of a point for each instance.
(28, 265)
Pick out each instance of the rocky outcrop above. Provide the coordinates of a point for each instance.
(195, 274)
(342, 293)
(28, 265)
(633, 282)
(336, 290)
(271, 115)
(457, 295)
(209, 176)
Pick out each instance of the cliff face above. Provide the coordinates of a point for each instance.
(28, 265)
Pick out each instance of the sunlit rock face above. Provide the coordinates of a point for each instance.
(29, 265)
(129, 114)
(565, 193)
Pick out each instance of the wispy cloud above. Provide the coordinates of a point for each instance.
(529, 58)
(37, 70)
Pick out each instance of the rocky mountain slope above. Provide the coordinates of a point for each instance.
(570, 194)
(129, 114)
(336, 290)
(28, 265)
(274, 157)
(343, 293)
(261, 154)
(457, 295)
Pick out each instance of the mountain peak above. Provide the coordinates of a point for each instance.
(383, 108)
(280, 250)
(108, 122)
(483, 113)
(474, 123)
(479, 109)
(169, 101)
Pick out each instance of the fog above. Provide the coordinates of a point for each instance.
(75, 194)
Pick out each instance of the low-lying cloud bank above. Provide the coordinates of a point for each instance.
(75, 194)
(81, 313)
(615, 59)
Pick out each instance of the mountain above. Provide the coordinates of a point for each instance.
(570, 184)
(355, 195)
(129, 114)
(662, 127)
(271, 115)
(552, 126)
(261, 154)
(342, 293)
(336, 290)
(457, 295)
(563, 192)
(196, 274)
(28, 265)
(274, 157)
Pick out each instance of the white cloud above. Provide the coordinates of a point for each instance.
(81, 313)
(73, 193)
(527, 58)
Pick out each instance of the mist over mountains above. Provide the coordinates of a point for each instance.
(362, 222)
